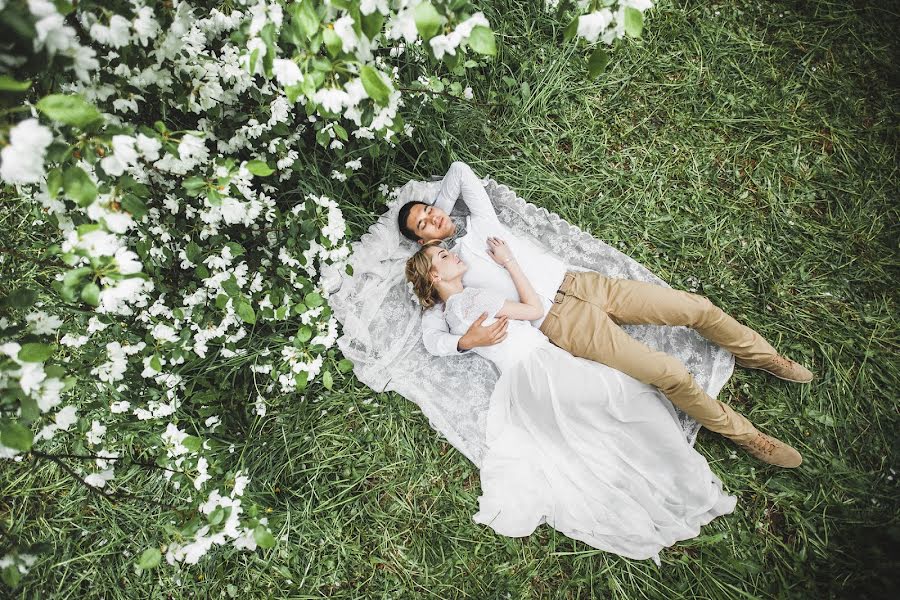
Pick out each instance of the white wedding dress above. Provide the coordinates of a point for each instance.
(592, 452)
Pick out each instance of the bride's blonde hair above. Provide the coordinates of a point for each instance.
(418, 273)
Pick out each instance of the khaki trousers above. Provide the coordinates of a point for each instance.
(585, 319)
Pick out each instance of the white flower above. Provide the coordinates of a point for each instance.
(591, 25)
(173, 437)
(145, 25)
(164, 333)
(127, 261)
(123, 156)
(116, 34)
(192, 148)
(119, 407)
(203, 476)
(240, 482)
(43, 323)
(96, 433)
(367, 7)
(99, 479)
(403, 25)
(22, 161)
(641, 5)
(287, 72)
(66, 417)
(233, 211)
(149, 147)
(331, 99)
(344, 28)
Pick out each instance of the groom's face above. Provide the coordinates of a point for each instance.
(429, 223)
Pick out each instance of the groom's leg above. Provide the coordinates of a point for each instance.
(638, 302)
(584, 329)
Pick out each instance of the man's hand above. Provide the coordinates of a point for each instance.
(479, 335)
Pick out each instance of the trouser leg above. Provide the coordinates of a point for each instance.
(638, 302)
(582, 326)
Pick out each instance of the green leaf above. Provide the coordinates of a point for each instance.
(231, 287)
(374, 85)
(11, 575)
(134, 205)
(21, 298)
(313, 300)
(79, 186)
(327, 380)
(482, 41)
(54, 181)
(192, 250)
(268, 36)
(372, 23)
(213, 197)
(332, 42)
(301, 378)
(305, 18)
(35, 352)
(192, 443)
(245, 312)
(258, 167)
(193, 184)
(304, 334)
(345, 365)
(570, 30)
(8, 84)
(28, 410)
(597, 62)
(13, 435)
(150, 558)
(428, 20)
(68, 109)
(91, 294)
(155, 362)
(236, 249)
(263, 537)
(216, 516)
(634, 22)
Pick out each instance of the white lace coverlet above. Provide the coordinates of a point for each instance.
(381, 322)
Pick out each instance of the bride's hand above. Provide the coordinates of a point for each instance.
(499, 251)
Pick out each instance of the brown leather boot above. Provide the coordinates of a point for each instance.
(783, 368)
(772, 451)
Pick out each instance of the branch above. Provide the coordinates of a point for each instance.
(97, 456)
(108, 497)
(448, 94)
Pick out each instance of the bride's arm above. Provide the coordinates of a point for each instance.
(530, 308)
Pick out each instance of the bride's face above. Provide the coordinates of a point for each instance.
(445, 264)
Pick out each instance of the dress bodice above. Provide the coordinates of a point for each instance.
(461, 309)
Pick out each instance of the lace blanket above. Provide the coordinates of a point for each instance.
(381, 323)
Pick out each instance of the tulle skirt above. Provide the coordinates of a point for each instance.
(596, 455)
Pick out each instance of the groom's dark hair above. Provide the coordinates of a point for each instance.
(403, 217)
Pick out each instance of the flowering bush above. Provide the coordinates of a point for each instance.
(602, 20)
(170, 147)
(165, 150)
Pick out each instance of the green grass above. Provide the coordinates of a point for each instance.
(754, 150)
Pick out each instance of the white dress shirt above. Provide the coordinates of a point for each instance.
(543, 269)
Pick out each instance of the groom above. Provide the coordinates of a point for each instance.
(584, 310)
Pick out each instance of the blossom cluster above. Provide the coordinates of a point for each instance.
(169, 158)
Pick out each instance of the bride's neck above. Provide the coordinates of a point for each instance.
(445, 289)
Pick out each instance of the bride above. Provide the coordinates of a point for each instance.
(572, 443)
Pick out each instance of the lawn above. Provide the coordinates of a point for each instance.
(746, 151)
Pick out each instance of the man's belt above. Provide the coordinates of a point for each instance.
(563, 287)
